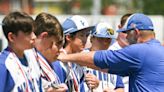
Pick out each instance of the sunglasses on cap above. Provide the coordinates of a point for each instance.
(110, 31)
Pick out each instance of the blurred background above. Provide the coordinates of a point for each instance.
(85, 7)
(93, 10)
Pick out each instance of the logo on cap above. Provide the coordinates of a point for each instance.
(110, 31)
(82, 22)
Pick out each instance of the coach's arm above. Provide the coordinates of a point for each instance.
(83, 59)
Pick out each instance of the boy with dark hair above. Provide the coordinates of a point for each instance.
(17, 73)
(76, 30)
(49, 39)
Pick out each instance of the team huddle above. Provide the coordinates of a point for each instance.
(44, 55)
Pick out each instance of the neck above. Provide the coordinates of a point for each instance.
(39, 45)
(18, 52)
(98, 48)
(68, 49)
(145, 36)
(144, 40)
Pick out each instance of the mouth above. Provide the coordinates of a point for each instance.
(83, 46)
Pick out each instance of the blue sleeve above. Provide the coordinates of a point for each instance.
(6, 81)
(119, 83)
(121, 62)
(59, 71)
(3, 78)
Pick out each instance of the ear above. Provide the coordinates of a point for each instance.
(43, 35)
(11, 37)
(137, 32)
(91, 39)
(68, 38)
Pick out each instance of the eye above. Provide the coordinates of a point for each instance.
(60, 44)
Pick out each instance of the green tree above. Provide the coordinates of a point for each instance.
(153, 7)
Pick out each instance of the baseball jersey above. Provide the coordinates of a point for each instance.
(142, 62)
(115, 46)
(106, 80)
(71, 74)
(18, 75)
(48, 76)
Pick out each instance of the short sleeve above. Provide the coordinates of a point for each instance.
(122, 62)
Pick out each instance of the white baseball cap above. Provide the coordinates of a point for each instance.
(74, 24)
(103, 30)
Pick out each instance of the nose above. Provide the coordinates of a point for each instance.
(33, 37)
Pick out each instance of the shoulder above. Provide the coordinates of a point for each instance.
(3, 56)
(3, 68)
(144, 45)
(57, 65)
(133, 48)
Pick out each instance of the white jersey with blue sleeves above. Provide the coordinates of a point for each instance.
(72, 74)
(106, 80)
(18, 77)
(48, 76)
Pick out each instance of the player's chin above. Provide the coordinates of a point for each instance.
(29, 47)
(55, 58)
(81, 48)
(52, 60)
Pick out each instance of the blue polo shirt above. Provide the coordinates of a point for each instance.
(143, 63)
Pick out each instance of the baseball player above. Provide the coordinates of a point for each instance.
(101, 37)
(76, 30)
(17, 73)
(49, 39)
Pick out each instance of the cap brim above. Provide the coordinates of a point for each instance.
(75, 30)
(100, 36)
(123, 29)
(87, 28)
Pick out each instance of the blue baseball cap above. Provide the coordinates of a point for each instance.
(137, 21)
(74, 24)
(103, 30)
